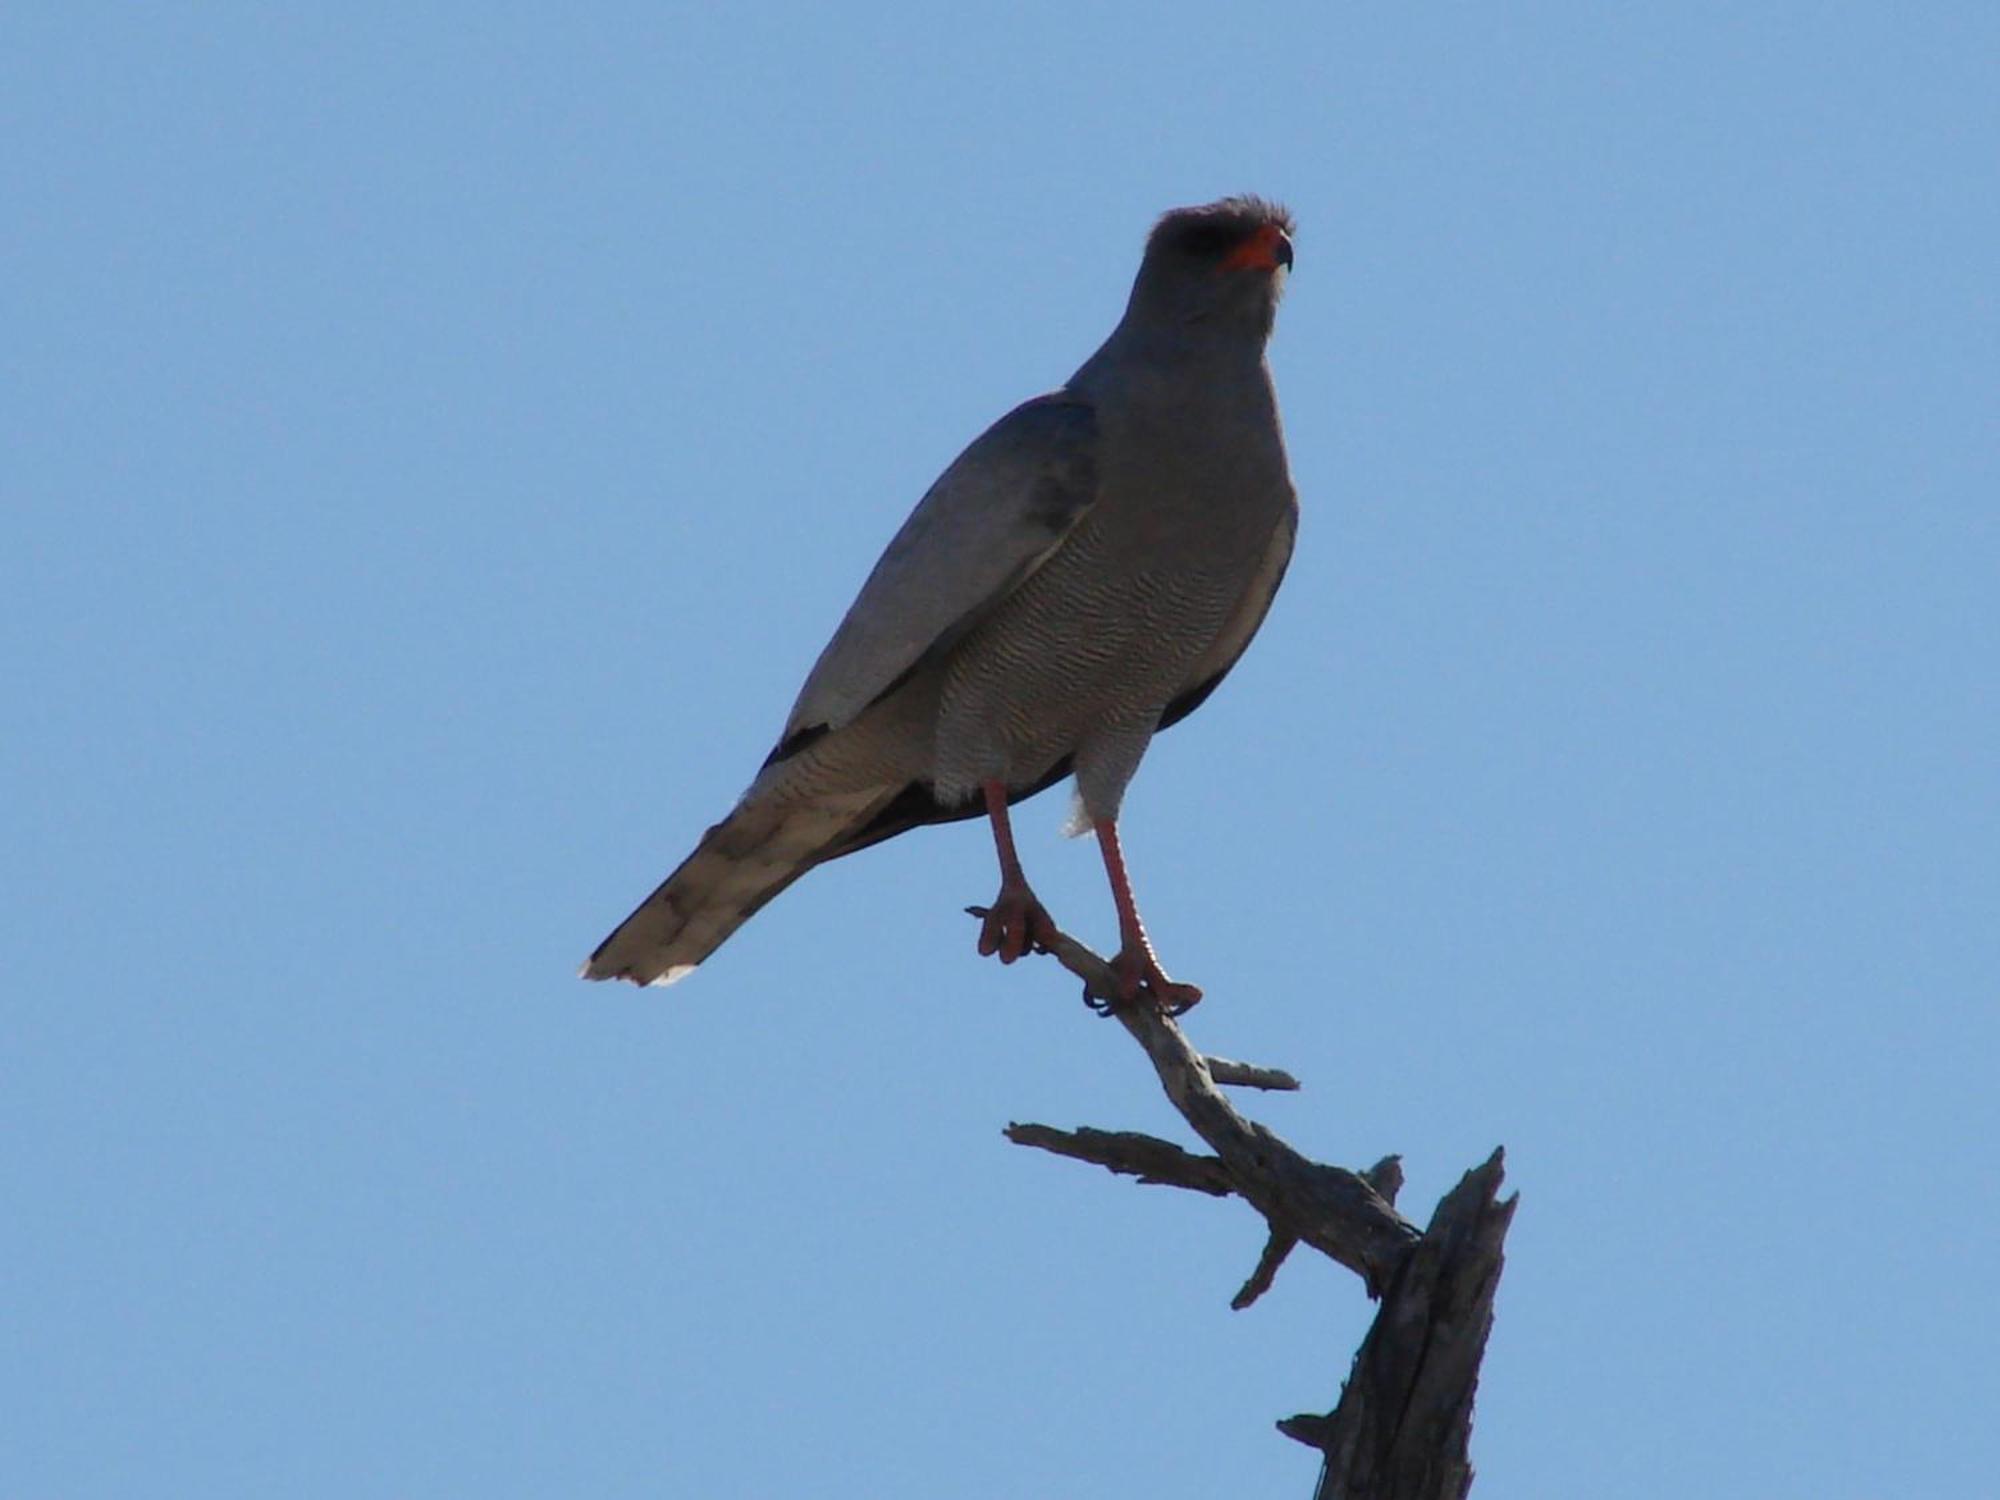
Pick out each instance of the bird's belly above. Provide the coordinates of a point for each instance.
(1088, 648)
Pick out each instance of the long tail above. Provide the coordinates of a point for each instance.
(740, 863)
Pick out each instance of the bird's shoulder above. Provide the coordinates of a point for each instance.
(994, 516)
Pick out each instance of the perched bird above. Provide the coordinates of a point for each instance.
(1082, 576)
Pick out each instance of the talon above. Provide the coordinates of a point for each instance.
(1139, 973)
(1015, 924)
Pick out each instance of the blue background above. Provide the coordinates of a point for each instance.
(437, 440)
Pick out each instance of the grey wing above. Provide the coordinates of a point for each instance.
(992, 518)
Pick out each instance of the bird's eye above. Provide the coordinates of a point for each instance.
(1207, 240)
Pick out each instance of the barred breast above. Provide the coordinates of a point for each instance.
(1080, 661)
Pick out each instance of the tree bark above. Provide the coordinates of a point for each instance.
(1402, 1429)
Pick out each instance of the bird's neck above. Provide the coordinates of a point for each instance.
(1215, 348)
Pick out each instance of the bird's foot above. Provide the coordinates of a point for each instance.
(1016, 923)
(1141, 977)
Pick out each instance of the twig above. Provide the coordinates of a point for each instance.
(1249, 1075)
(1386, 1177)
(1100, 993)
(1334, 1210)
(1276, 1249)
(1131, 1154)
(1402, 1430)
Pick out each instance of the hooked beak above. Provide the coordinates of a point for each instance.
(1266, 250)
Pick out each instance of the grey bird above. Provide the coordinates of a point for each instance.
(1082, 576)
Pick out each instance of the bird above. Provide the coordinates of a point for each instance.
(1081, 577)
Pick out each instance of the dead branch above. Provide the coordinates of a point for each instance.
(1276, 1248)
(1402, 1430)
(1145, 1157)
(1248, 1075)
(1404, 1423)
(1334, 1210)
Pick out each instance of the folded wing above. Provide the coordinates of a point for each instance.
(991, 519)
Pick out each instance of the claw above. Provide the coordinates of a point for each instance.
(1016, 923)
(1139, 974)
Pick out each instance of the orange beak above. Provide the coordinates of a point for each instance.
(1265, 250)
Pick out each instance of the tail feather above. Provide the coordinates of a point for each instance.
(739, 865)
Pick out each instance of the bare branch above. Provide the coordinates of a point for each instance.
(1131, 1154)
(1249, 1075)
(1275, 1250)
(1386, 1177)
(1336, 1211)
(1403, 1429)
(1308, 1429)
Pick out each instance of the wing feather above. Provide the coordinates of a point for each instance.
(992, 518)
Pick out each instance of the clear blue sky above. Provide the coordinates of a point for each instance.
(436, 442)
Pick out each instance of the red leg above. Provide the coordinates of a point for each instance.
(1015, 923)
(1138, 968)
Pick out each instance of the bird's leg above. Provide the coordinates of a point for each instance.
(1016, 923)
(1136, 965)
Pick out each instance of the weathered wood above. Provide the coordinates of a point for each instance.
(1334, 1210)
(1386, 1177)
(1276, 1248)
(1248, 1075)
(1402, 1430)
(1131, 1154)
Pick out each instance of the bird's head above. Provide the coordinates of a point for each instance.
(1224, 264)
